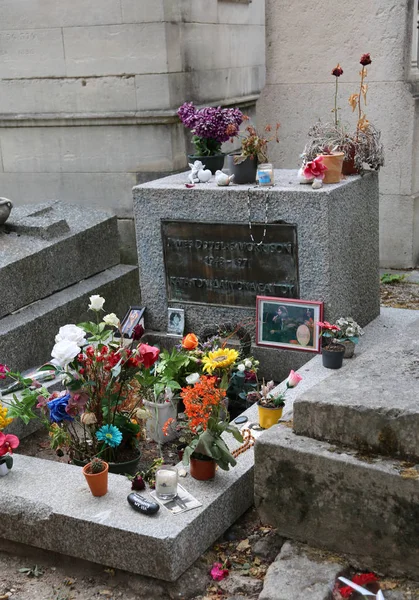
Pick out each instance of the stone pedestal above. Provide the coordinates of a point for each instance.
(337, 244)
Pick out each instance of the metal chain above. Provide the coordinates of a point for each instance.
(249, 218)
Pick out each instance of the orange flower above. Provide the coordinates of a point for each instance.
(190, 341)
(200, 401)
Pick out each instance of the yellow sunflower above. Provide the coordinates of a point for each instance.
(219, 359)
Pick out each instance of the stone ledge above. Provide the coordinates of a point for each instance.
(50, 504)
(337, 501)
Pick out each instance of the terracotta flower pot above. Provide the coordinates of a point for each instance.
(269, 416)
(98, 482)
(202, 469)
(334, 164)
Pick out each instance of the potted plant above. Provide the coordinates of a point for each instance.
(349, 334)
(254, 150)
(210, 126)
(207, 422)
(332, 351)
(100, 410)
(96, 474)
(8, 443)
(270, 407)
(363, 148)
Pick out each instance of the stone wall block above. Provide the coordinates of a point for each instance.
(397, 239)
(31, 53)
(115, 49)
(252, 13)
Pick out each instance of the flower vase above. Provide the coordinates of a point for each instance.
(244, 172)
(160, 413)
(332, 356)
(98, 482)
(202, 469)
(269, 416)
(334, 164)
(349, 348)
(213, 163)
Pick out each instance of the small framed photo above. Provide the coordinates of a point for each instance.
(175, 321)
(285, 323)
(134, 317)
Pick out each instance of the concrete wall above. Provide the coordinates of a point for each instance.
(305, 41)
(89, 91)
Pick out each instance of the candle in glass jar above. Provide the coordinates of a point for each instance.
(265, 174)
(166, 483)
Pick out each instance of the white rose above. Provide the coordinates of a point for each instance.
(72, 333)
(96, 302)
(111, 320)
(193, 378)
(247, 363)
(64, 352)
(241, 367)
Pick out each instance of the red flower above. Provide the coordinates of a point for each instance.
(3, 371)
(217, 572)
(137, 332)
(337, 71)
(364, 578)
(315, 168)
(8, 443)
(365, 60)
(148, 354)
(346, 592)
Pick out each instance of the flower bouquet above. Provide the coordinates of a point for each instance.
(100, 412)
(211, 127)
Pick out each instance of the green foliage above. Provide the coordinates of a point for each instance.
(98, 331)
(23, 408)
(210, 443)
(59, 437)
(238, 387)
(34, 571)
(206, 146)
(392, 278)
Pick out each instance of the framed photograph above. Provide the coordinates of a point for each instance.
(134, 316)
(175, 321)
(285, 323)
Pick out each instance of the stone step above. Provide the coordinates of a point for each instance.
(372, 404)
(27, 336)
(46, 248)
(365, 509)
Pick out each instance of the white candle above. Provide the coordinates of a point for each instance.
(166, 483)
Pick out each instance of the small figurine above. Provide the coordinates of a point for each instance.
(5, 209)
(222, 178)
(204, 175)
(301, 177)
(195, 168)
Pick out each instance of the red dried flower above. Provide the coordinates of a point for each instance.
(337, 71)
(365, 60)
(364, 578)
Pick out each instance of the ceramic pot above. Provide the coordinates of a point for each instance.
(245, 172)
(349, 348)
(6, 466)
(333, 359)
(202, 469)
(269, 416)
(334, 164)
(160, 412)
(129, 467)
(98, 482)
(213, 163)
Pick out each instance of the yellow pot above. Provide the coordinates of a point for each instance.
(269, 416)
(334, 164)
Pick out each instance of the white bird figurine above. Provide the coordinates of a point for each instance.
(5, 209)
(222, 178)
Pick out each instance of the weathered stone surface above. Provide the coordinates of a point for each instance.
(372, 403)
(27, 336)
(46, 248)
(69, 520)
(337, 501)
(239, 584)
(346, 237)
(297, 575)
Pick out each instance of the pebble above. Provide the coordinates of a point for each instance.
(182, 472)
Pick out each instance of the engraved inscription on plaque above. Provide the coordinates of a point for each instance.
(218, 263)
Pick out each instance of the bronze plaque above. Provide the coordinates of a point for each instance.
(218, 263)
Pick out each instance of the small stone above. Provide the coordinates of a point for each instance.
(317, 184)
(182, 472)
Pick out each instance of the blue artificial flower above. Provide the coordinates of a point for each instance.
(110, 435)
(57, 409)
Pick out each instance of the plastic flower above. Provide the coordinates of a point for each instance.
(57, 409)
(8, 443)
(219, 359)
(110, 435)
(315, 168)
(293, 379)
(96, 302)
(4, 421)
(3, 371)
(190, 342)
